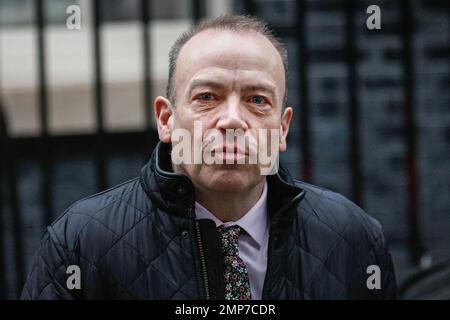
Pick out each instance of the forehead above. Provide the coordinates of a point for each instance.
(240, 56)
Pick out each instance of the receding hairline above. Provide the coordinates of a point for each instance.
(239, 32)
(243, 33)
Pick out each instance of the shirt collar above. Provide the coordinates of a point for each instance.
(254, 222)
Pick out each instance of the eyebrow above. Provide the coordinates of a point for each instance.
(204, 83)
(267, 88)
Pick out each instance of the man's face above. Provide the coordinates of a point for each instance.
(225, 80)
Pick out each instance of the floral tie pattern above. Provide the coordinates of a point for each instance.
(237, 283)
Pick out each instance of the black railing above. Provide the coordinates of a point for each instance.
(303, 68)
(415, 239)
(101, 148)
(147, 89)
(353, 104)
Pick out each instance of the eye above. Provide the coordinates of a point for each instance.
(205, 97)
(259, 100)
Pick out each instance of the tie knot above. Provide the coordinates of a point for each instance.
(230, 235)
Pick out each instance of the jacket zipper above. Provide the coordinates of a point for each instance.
(202, 260)
(204, 272)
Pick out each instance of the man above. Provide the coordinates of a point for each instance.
(216, 230)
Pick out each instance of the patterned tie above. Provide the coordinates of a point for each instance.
(237, 283)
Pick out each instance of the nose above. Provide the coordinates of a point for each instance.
(232, 115)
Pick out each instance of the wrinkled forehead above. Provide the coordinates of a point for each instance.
(229, 52)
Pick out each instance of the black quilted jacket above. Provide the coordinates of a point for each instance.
(140, 240)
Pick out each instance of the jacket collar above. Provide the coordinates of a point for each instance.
(175, 193)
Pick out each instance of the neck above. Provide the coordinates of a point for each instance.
(230, 206)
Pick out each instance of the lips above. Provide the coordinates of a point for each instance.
(230, 153)
(232, 157)
(234, 150)
(227, 149)
(237, 152)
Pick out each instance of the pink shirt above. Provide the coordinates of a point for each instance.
(253, 244)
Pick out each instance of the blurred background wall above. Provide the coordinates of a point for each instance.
(371, 120)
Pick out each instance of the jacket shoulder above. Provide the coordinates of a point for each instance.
(103, 216)
(84, 235)
(337, 214)
(343, 241)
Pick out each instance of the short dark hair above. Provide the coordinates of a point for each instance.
(235, 23)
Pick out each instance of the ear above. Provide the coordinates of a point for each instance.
(284, 127)
(163, 115)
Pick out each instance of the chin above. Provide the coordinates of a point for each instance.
(227, 178)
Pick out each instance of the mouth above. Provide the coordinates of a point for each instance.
(230, 154)
(234, 149)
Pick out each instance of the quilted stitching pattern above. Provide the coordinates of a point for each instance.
(127, 248)
(117, 251)
(327, 268)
